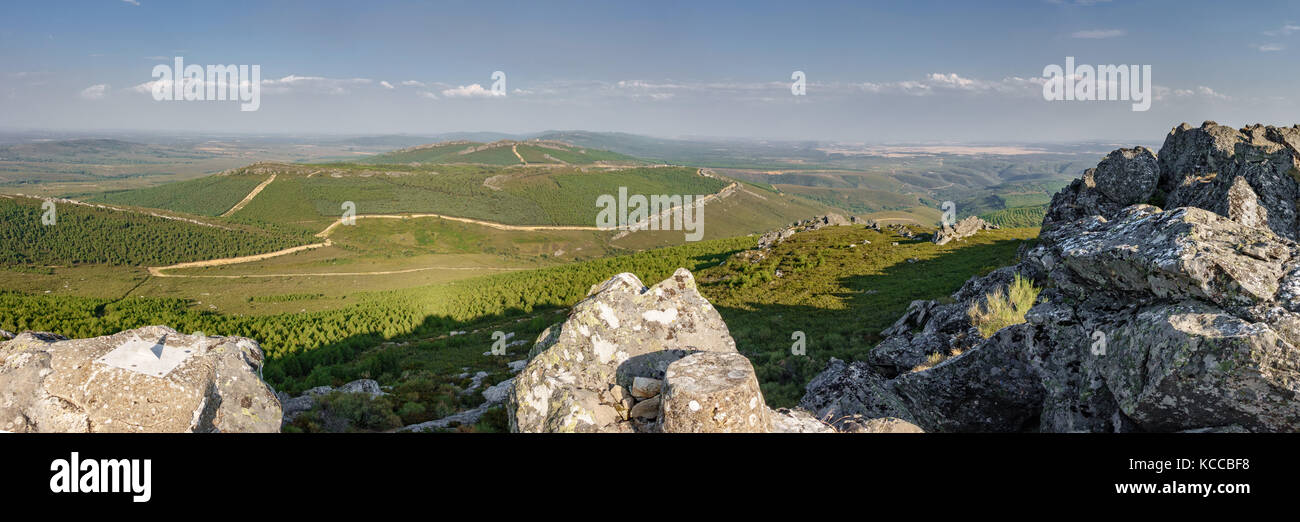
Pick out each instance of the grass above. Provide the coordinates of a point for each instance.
(840, 296)
(1001, 310)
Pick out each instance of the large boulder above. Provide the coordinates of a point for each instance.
(1199, 167)
(150, 379)
(712, 392)
(1125, 177)
(621, 331)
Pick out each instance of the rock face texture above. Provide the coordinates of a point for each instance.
(712, 392)
(636, 359)
(1181, 319)
(961, 230)
(617, 339)
(108, 384)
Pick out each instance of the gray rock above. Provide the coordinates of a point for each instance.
(881, 425)
(1152, 320)
(712, 392)
(621, 331)
(53, 384)
(645, 387)
(961, 230)
(786, 420)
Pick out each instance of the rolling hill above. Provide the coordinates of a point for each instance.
(503, 152)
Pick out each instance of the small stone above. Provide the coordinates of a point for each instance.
(645, 387)
(646, 409)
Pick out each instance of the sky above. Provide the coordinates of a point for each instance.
(874, 72)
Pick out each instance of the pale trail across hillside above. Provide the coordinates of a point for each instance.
(256, 190)
(159, 271)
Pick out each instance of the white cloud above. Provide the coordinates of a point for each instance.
(428, 94)
(1270, 48)
(472, 90)
(386, 84)
(94, 92)
(313, 84)
(1098, 34)
(1285, 30)
(132, 2)
(412, 83)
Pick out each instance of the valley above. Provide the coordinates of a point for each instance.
(360, 269)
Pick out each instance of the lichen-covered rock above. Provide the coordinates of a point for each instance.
(106, 384)
(1184, 252)
(961, 230)
(987, 388)
(1199, 167)
(621, 331)
(712, 392)
(1184, 319)
(1189, 365)
(843, 390)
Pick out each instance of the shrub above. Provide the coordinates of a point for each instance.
(1001, 310)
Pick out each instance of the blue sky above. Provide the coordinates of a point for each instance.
(876, 71)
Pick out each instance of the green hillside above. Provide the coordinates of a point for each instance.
(840, 292)
(83, 234)
(206, 196)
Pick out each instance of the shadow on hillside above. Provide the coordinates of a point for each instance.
(870, 303)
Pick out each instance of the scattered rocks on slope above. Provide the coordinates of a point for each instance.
(774, 237)
(294, 406)
(1151, 320)
(961, 230)
(150, 379)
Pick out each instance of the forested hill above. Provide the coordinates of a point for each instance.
(84, 234)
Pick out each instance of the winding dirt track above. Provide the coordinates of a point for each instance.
(249, 197)
(160, 271)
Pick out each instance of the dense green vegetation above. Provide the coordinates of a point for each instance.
(83, 234)
(840, 292)
(1016, 217)
(325, 347)
(207, 196)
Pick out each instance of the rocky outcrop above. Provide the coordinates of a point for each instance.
(622, 332)
(636, 359)
(774, 237)
(1176, 319)
(961, 230)
(150, 379)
